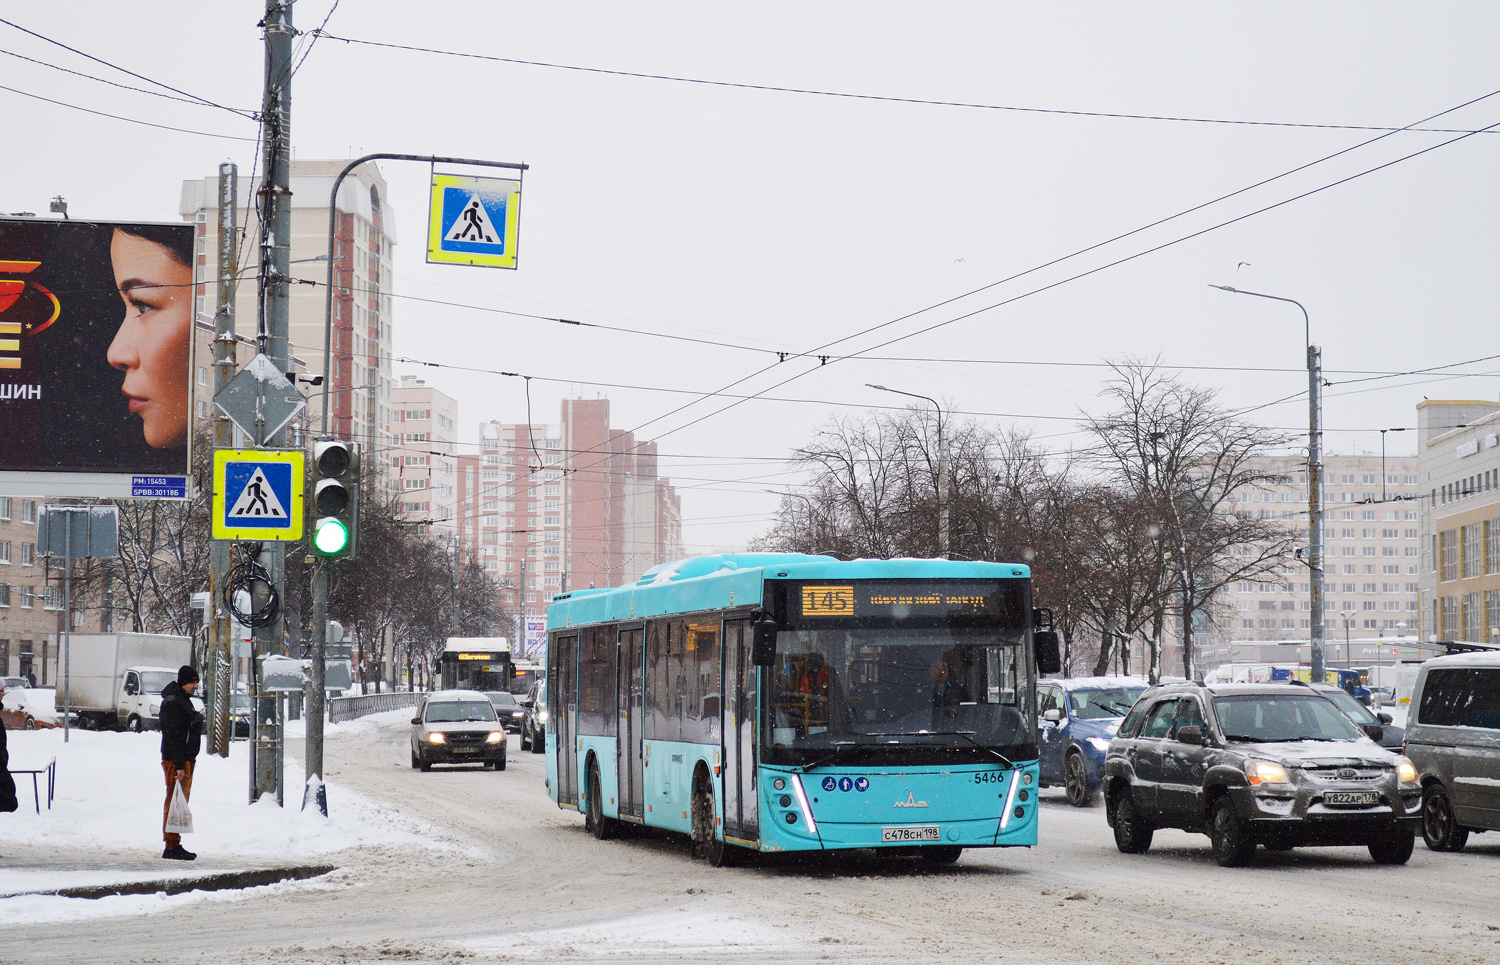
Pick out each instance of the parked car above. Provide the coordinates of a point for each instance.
(508, 709)
(534, 724)
(241, 708)
(1076, 718)
(1275, 764)
(29, 708)
(16, 683)
(1382, 696)
(457, 727)
(1390, 736)
(1453, 737)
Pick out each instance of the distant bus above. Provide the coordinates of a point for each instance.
(525, 674)
(781, 702)
(477, 663)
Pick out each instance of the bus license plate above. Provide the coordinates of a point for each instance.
(1361, 799)
(921, 832)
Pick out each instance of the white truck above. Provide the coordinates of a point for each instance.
(116, 679)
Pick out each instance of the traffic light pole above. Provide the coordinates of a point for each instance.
(343, 262)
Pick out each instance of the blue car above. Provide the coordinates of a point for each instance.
(1076, 718)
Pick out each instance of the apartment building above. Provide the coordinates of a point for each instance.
(548, 508)
(423, 466)
(365, 238)
(1459, 463)
(1370, 545)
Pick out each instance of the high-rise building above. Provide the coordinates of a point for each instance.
(361, 383)
(423, 465)
(548, 508)
(1458, 453)
(1370, 556)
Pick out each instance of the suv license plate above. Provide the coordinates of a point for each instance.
(921, 832)
(1361, 799)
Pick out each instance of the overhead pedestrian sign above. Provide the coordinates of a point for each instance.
(258, 494)
(473, 221)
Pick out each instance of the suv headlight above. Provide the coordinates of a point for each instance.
(1100, 743)
(1266, 772)
(436, 737)
(1406, 771)
(495, 737)
(541, 716)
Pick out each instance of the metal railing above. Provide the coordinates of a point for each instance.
(349, 708)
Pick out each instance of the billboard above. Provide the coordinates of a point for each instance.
(96, 345)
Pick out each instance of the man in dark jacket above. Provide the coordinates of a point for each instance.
(8, 800)
(181, 736)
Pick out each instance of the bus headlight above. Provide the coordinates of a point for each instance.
(436, 737)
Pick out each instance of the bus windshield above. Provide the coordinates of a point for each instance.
(892, 688)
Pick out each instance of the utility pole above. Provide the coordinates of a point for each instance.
(272, 334)
(221, 647)
(1315, 501)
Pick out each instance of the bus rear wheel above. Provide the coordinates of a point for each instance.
(940, 854)
(601, 827)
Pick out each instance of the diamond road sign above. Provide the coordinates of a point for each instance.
(260, 400)
(258, 494)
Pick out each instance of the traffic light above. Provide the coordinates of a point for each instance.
(335, 499)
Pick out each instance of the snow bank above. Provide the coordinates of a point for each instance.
(110, 791)
(47, 909)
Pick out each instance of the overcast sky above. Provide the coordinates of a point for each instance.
(783, 220)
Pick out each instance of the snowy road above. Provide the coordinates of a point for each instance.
(521, 881)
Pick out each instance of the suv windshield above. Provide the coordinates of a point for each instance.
(923, 687)
(459, 711)
(502, 699)
(1278, 718)
(1103, 702)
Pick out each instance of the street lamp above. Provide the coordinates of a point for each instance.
(942, 467)
(1347, 615)
(1314, 475)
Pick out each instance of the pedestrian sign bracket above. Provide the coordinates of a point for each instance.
(258, 494)
(473, 221)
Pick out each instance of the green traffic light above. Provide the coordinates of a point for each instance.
(330, 536)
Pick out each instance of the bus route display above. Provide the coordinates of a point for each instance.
(897, 600)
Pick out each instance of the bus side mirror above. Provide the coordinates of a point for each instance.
(1047, 650)
(763, 642)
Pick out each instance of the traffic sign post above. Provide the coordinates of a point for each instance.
(258, 494)
(473, 221)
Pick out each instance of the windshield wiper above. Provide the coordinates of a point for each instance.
(967, 735)
(1245, 739)
(840, 749)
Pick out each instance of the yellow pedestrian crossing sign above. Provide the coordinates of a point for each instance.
(473, 221)
(258, 494)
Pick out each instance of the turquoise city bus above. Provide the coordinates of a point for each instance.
(782, 702)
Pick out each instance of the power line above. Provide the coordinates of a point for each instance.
(102, 80)
(252, 115)
(848, 95)
(130, 120)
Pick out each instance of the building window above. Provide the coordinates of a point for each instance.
(1492, 547)
(5, 507)
(1473, 558)
(1448, 554)
(28, 554)
(5, 602)
(28, 596)
(1473, 618)
(1450, 618)
(28, 510)
(4, 551)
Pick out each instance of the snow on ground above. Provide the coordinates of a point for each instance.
(43, 909)
(110, 791)
(701, 933)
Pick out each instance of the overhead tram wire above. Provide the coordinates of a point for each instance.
(104, 80)
(849, 95)
(129, 120)
(251, 115)
(1092, 271)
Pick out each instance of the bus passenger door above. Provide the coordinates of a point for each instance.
(741, 815)
(565, 702)
(632, 777)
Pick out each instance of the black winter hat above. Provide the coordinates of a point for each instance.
(187, 675)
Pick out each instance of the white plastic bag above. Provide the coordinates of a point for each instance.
(179, 818)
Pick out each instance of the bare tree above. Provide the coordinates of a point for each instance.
(1184, 461)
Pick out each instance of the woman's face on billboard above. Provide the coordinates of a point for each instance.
(152, 345)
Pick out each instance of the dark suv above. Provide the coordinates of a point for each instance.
(1272, 764)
